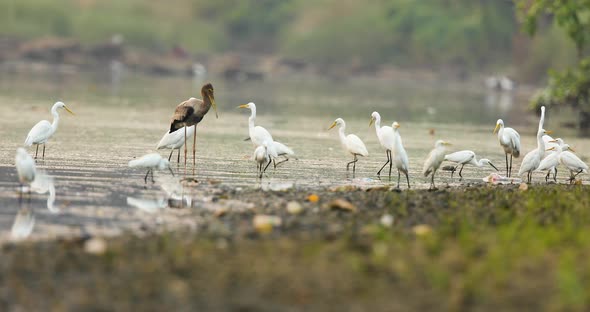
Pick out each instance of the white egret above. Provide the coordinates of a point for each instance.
(175, 140)
(151, 162)
(257, 133)
(434, 159)
(44, 130)
(551, 161)
(284, 151)
(191, 112)
(25, 167)
(466, 157)
(574, 164)
(261, 156)
(386, 138)
(351, 143)
(400, 157)
(509, 140)
(532, 159)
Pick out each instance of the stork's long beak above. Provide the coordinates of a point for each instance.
(371, 121)
(496, 129)
(493, 166)
(243, 106)
(214, 105)
(69, 111)
(332, 126)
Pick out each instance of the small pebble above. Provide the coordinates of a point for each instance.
(95, 246)
(294, 208)
(313, 198)
(422, 229)
(387, 220)
(342, 204)
(265, 223)
(523, 186)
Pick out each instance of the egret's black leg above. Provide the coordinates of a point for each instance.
(507, 173)
(555, 174)
(398, 177)
(43, 150)
(354, 165)
(390, 165)
(178, 157)
(269, 161)
(461, 170)
(510, 173)
(146, 176)
(280, 162)
(432, 186)
(547, 176)
(453, 171)
(171, 152)
(37, 151)
(407, 178)
(352, 162)
(388, 161)
(153, 181)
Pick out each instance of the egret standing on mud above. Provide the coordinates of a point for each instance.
(386, 138)
(351, 143)
(574, 164)
(532, 159)
(262, 157)
(44, 130)
(466, 157)
(190, 113)
(509, 140)
(434, 159)
(175, 140)
(151, 162)
(400, 157)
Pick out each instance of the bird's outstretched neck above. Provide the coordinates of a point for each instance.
(55, 114)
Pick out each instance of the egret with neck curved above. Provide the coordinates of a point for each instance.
(44, 130)
(257, 134)
(466, 157)
(386, 138)
(351, 143)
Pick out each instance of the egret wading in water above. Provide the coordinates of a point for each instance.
(574, 164)
(551, 161)
(400, 157)
(466, 158)
(262, 157)
(190, 113)
(44, 130)
(151, 162)
(510, 141)
(25, 168)
(351, 143)
(386, 139)
(434, 159)
(175, 140)
(532, 159)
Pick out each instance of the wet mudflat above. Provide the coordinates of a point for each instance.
(217, 237)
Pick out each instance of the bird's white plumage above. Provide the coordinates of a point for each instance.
(44, 130)
(551, 160)
(261, 154)
(384, 134)
(351, 143)
(461, 157)
(509, 139)
(25, 166)
(532, 159)
(435, 158)
(175, 140)
(399, 155)
(152, 161)
(282, 149)
(257, 134)
(572, 162)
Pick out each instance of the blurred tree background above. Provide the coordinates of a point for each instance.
(473, 35)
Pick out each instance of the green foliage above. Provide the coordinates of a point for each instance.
(569, 87)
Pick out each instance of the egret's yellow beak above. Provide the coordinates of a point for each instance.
(447, 143)
(243, 106)
(548, 131)
(571, 149)
(371, 121)
(496, 129)
(397, 126)
(332, 126)
(553, 141)
(551, 149)
(69, 111)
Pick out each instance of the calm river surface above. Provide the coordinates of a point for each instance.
(88, 155)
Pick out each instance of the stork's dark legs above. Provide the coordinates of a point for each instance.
(37, 151)
(43, 150)
(185, 149)
(460, 170)
(387, 162)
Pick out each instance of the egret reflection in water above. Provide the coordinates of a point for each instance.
(42, 184)
(23, 224)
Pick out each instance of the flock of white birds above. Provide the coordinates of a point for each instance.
(548, 155)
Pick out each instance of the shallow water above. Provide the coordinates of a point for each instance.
(88, 156)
